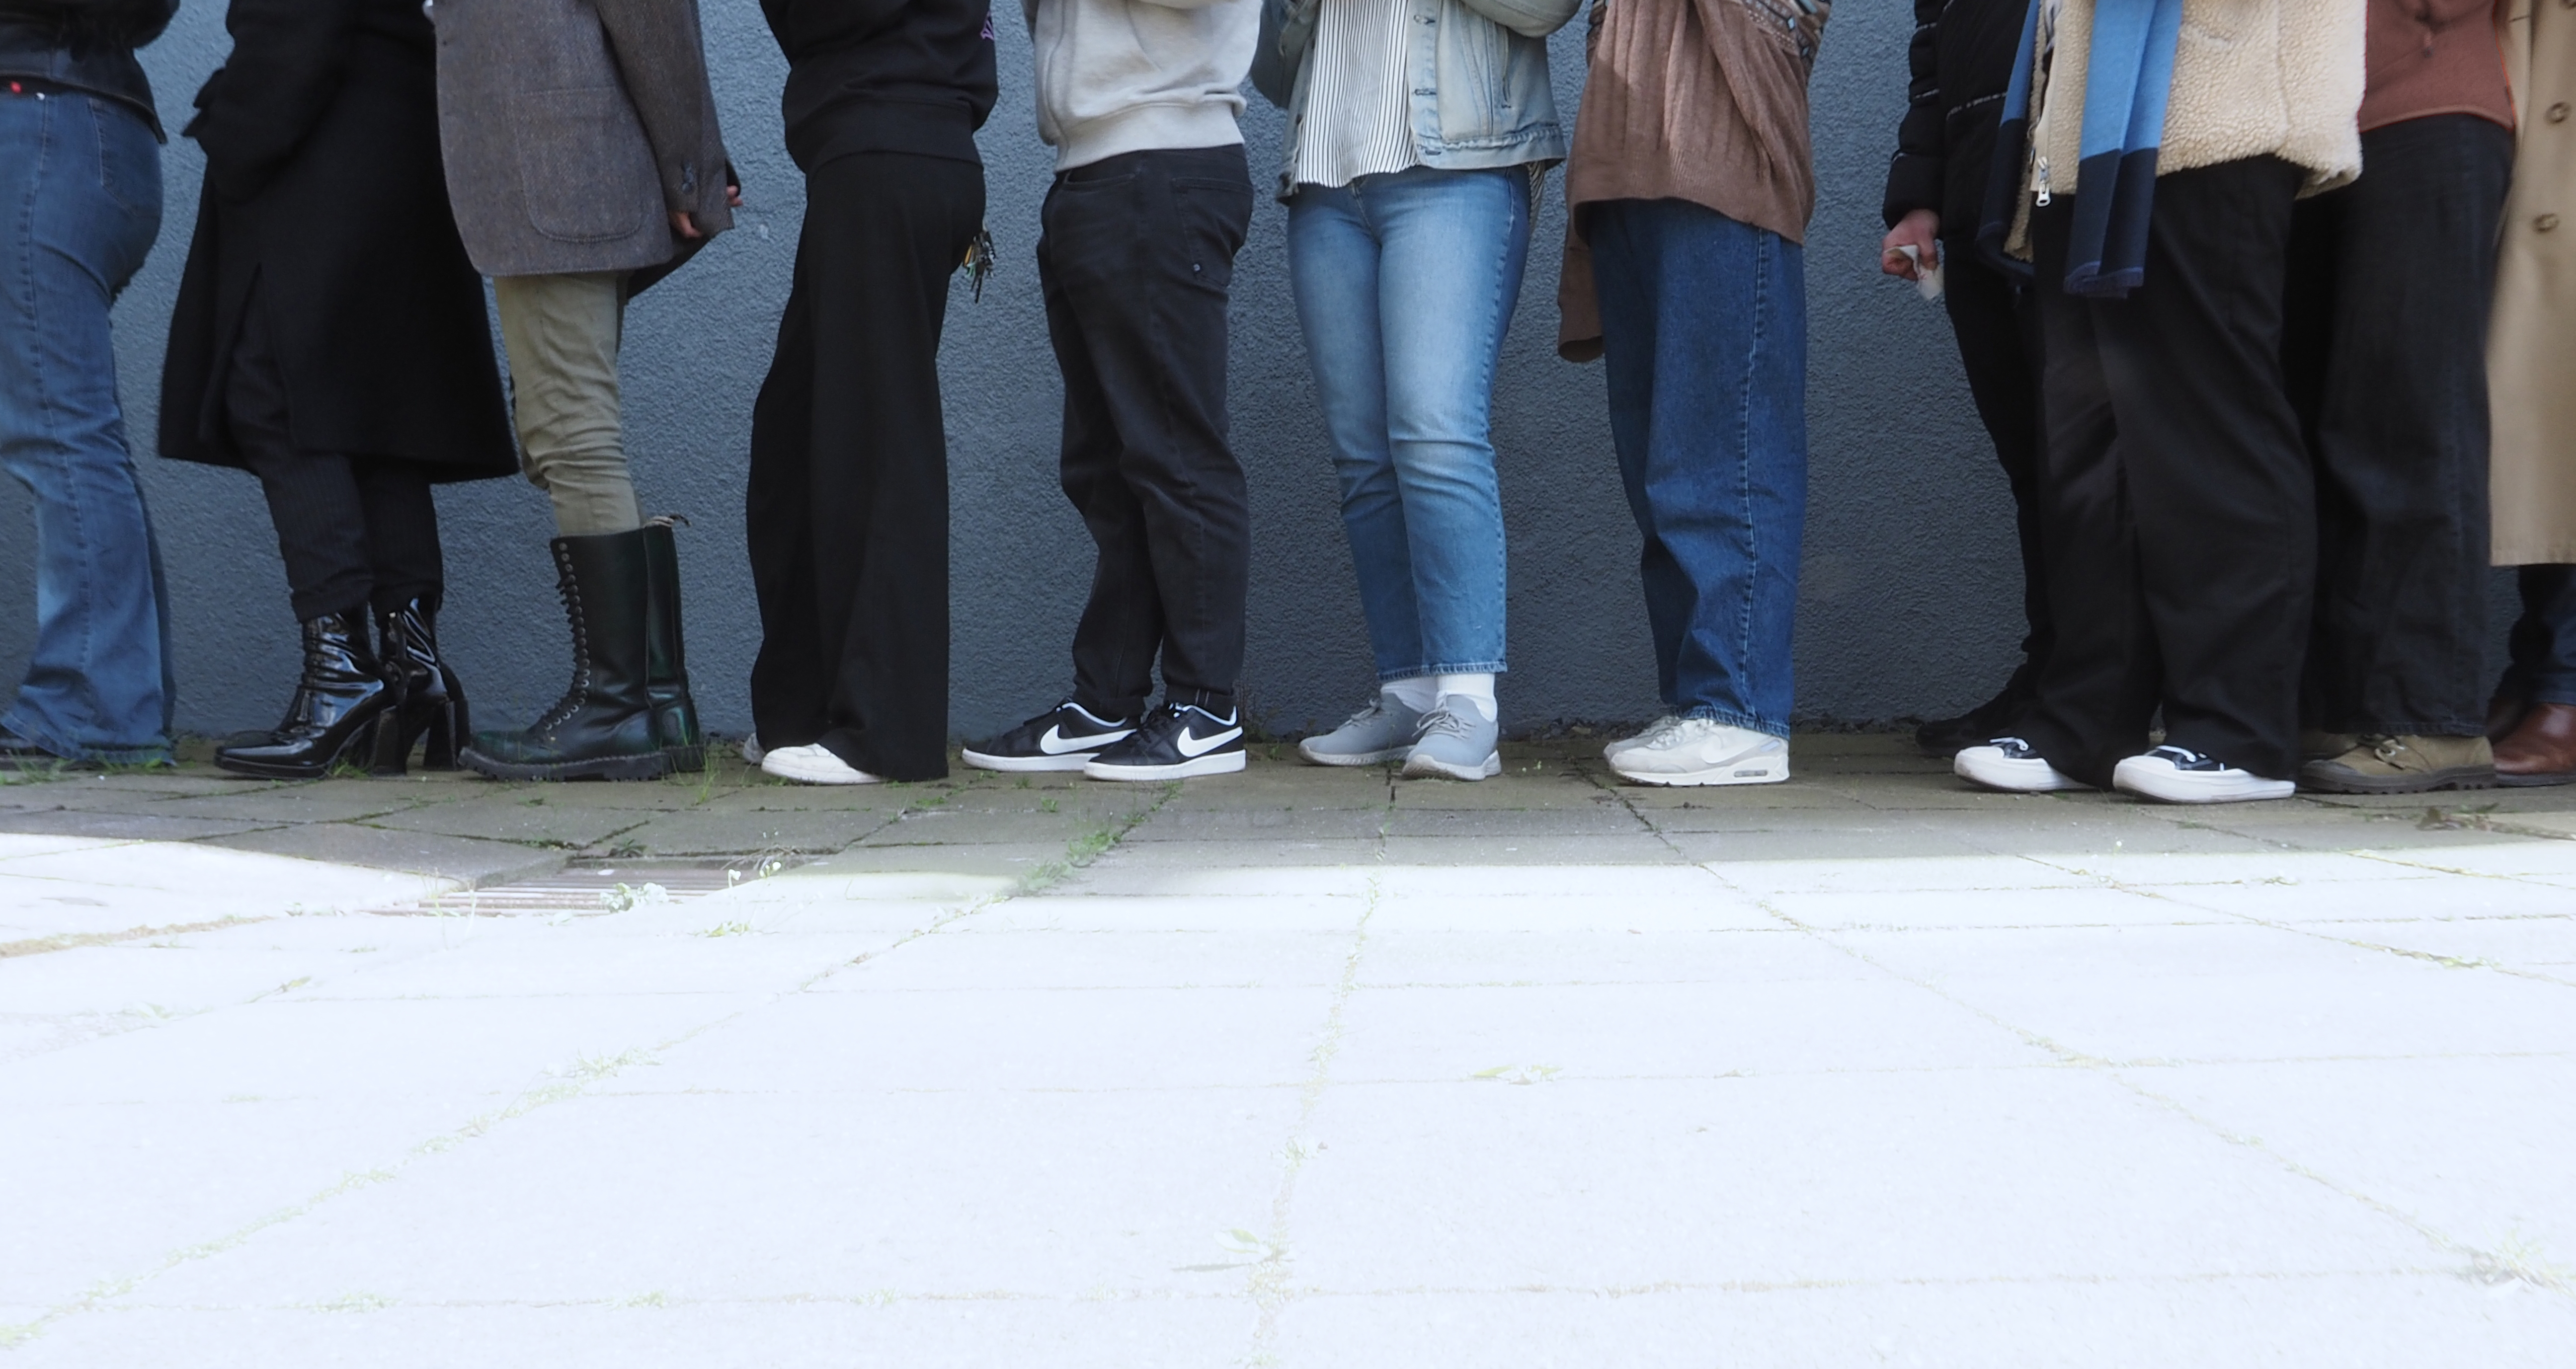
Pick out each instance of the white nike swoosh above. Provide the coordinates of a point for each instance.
(1195, 746)
(1054, 744)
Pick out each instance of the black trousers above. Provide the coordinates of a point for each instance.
(353, 530)
(847, 507)
(1135, 261)
(1997, 324)
(2181, 523)
(2385, 350)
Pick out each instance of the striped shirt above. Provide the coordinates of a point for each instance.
(1358, 119)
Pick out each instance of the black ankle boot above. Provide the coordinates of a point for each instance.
(666, 666)
(603, 727)
(338, 703)
(429, 701)
(1947, 737)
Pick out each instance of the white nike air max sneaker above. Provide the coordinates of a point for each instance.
(1695, 751)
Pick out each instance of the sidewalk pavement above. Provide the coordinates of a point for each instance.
(1296, 1067)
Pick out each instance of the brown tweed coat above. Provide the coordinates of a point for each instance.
(573, 129)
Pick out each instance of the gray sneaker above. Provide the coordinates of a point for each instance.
(1457, 744)
(1382, 732)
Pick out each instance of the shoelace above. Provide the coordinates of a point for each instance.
(2184, 758)
(1371, 709)
(1444, 723)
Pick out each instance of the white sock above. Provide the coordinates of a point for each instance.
(1478, 687)
(1418, 693)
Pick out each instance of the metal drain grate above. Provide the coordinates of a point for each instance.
(605, 888)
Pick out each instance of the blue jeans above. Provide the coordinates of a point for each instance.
(1704, 333)
(1405, 284)
(2544, 637)
(81, 179)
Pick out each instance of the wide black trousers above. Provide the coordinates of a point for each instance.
(353, 530)
(2180, 505)
(2385, 351)
(847, 507)
(1997, 325)
(1136, 261)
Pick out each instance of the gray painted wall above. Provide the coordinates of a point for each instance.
(1911, 592)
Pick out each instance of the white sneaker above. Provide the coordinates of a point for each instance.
(2009, 764)
(1653, 730)
(751, 752)
(1704, 751)
(812, 765)
(2171, 774)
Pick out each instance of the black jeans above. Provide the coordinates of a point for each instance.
(2181, 532)
(353, 530)
(847, 507)
(2544, 637)
(1997, 324)
(1135, 262)
(2385, 351)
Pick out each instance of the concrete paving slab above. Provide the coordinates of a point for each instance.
(872, 1040)
(939, 827)
(318, 801)
(1994, 1174)
(467, 861)
(966, 955)
(1500, 959)
(1334, 910)
(695, 833)
(112, 826)
(527, 819)
(1990, 908)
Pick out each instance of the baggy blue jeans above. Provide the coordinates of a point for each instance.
(80, 204)
(1704, 334)
(1405, 284)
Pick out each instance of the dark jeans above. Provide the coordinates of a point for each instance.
(1704, 337)
(2181, 532)
(2544, 637)
(847, 507)
(1997, 324)
(2385, 351)
(1135, 262)
(353, 530)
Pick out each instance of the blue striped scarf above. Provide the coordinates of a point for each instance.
(2128, 75)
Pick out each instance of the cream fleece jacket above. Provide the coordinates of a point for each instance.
(2252, 78)
(1119, 76)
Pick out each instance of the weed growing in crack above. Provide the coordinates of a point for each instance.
(729, 929)
(355, 1302)
(627, 897)
(1520, 1074)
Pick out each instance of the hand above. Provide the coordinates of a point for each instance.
(1920, 229)
(680, 224)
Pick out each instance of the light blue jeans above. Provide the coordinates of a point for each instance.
(80, 203)
(1405, 284)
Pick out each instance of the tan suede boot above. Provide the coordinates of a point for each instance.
(2325, 746)
(2404, 765)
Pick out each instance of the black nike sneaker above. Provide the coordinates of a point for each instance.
(1059, 739)
(1176, 742)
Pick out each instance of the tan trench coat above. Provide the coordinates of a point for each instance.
(2531, 352)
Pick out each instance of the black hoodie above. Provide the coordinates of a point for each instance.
(85, 46)
(884, 76)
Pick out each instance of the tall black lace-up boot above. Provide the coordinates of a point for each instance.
(339, 701)
(666, 665)
(429, 701)
(603, 726)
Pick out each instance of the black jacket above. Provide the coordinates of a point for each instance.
(84, 45)
(1962, 59)
(326, 209)
(884, 76)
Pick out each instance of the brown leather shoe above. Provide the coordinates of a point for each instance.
(2542, 750)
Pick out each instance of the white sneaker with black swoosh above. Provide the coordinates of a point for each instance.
(1176, 742)
(1062, 738)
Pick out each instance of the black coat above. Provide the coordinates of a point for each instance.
(1962, 58)
(325, 207)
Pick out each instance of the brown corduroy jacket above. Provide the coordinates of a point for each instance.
(573, 129)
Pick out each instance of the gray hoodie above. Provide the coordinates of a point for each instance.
(1135, 75)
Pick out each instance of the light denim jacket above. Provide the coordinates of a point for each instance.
(1480, 91)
